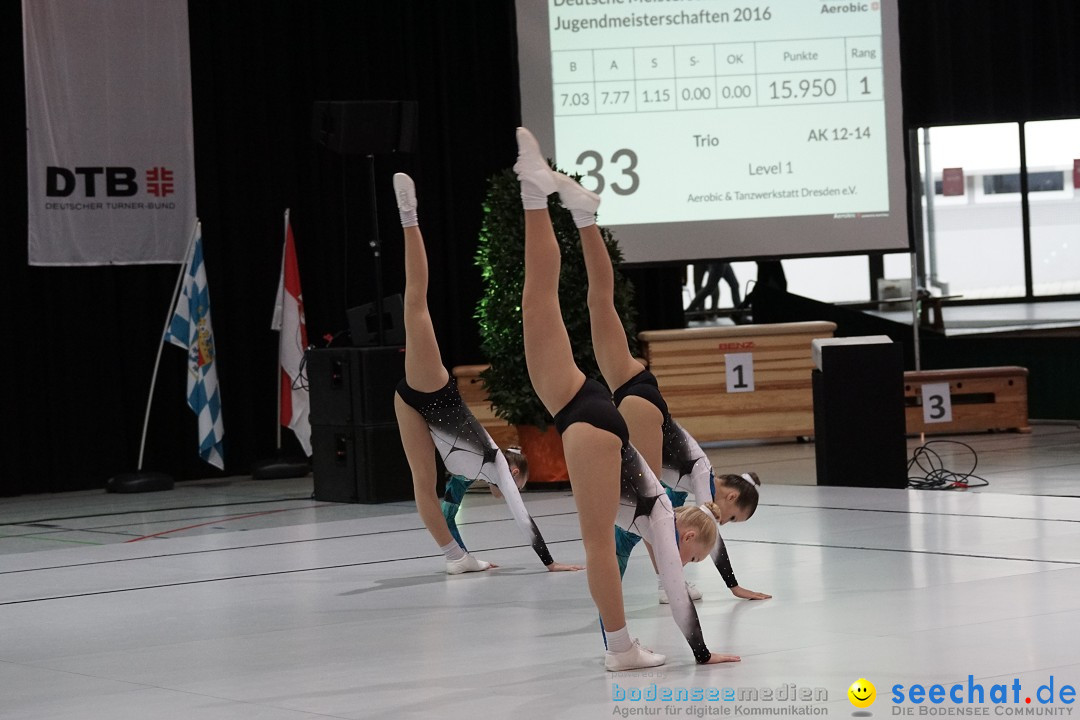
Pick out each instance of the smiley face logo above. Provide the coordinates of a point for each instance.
(862, 693)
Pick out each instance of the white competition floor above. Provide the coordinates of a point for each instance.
(279, 607)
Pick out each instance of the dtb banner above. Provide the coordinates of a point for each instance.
(109, 137)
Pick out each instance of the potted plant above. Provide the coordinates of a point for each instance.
(501, 257)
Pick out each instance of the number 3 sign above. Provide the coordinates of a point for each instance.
(739, 369)
(936, 403)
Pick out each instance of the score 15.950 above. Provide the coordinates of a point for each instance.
(618, 171)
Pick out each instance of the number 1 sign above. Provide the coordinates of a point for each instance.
(739, 369)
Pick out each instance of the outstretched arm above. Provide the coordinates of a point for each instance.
(723, 566)
(658, 528)
(504, 481)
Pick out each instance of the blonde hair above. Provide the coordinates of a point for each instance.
(692, 517)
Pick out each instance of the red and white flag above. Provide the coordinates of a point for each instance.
(289, 320)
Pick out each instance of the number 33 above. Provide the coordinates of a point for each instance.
(598, 164)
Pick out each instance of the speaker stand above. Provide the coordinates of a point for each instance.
(375, 244)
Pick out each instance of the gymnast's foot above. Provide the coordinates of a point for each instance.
(580, 202)
(467, 564)
(537, 180)
(405, 192)
(635, 658)
(691, 590)
(573, 196)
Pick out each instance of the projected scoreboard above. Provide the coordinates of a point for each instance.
(717, 110)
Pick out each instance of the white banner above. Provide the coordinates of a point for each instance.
(110, 147)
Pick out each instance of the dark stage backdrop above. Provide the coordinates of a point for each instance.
(81, 341)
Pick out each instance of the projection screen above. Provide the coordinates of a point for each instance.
(720, 129)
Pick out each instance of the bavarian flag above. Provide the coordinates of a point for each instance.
(190, 329)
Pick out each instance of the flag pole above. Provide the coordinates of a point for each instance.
(161, 344)
(277, 409)
(140, 481)
(280, 467)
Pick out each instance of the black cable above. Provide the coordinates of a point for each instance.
(935, 476)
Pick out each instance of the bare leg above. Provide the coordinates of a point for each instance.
(593, 456)
(548, 356)
(609, 338)
(420, 452)
(424, 370)
(610, 347)
(594, 479)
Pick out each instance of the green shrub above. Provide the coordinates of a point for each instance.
(501, 257)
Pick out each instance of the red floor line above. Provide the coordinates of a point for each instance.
(212, 522)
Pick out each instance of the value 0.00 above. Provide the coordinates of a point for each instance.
(735, 92)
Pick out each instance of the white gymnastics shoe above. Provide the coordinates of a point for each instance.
(405, 192)
(691, 590)
(466, 564)
(573, 196)
(531, 167)
(634, 658)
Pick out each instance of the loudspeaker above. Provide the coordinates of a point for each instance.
(364, 464)
(354, 386)
(364, 322)
(366, 127)
(859, 425)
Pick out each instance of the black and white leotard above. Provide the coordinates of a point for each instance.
(644, 507)
(467, 450)
(686, 468)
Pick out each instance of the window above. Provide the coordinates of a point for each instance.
(1053, 148)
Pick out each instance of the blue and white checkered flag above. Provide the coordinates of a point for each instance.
(190, 329)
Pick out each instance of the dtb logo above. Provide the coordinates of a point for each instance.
(108, 181)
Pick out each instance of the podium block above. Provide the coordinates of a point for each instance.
(859, 416)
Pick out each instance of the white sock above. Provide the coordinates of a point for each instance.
(583, 218)
(453, 551)
(532, 197)
(619, 640)
(408, 218)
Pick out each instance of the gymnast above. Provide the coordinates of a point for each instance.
(670, 451)
(432, 418)
(611, 482)
(687, 469)
(457, 486)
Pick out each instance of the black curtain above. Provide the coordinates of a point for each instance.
(82, 341)
(984, 61)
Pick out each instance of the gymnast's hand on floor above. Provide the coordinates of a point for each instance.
(561, 567)
(741, 592)
(718, 658)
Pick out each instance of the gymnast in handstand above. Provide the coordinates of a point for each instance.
(668, 449)
(611, 482)
(432, 418)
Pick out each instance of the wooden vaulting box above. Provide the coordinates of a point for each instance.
(690, 367)
(986, 398)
